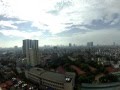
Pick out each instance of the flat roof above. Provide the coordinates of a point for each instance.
(49, 75)
(52, 76)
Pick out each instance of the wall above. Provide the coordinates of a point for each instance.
(107, 86)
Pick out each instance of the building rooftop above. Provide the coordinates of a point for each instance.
(49, 75)
(78, 70)
(52, 76)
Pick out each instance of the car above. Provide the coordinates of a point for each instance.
(24, 85)
(30, 88)
(13, 79)
(16, 85)
(19, 82)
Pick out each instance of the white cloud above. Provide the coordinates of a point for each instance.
(7, 24)
(78, 12)
(23, 34)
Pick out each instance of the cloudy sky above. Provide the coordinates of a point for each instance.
(56, 22)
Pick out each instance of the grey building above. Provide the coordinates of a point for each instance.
(52, 80)
(105, 86)
(30, 51)
(28, 43)
(90, 44)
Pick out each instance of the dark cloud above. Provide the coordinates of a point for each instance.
(98, 24)
(103, 24)
(72, 30)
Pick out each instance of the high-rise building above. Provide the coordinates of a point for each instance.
(27, 43)
(35, 44)
(114, 44)
(70, 44)
(90, 44)
(30, 51)
(33, 57)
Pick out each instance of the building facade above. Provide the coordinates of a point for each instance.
(90, 44)
(48, 80)
(105, 86)
(30, 51)
(33, 57)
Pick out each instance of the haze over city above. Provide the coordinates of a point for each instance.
(59, 44)
(56, 22)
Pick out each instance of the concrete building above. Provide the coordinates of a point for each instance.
(33, 57)
(30, 51)
(90, 44)
(27, 44)
(48, 80)
(105, 86)
(70, 44)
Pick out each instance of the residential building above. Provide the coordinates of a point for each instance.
(30, 51)
(90, 44)
(33, 57)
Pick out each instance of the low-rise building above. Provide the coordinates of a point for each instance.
(105, 86)
(53, 80)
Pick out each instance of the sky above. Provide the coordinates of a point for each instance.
(59, 22)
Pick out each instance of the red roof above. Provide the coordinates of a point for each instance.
(92, 68)
(60, 69)
(9, 83)
(78, 70)
(3, 85)
(4, 89)
(110, 69)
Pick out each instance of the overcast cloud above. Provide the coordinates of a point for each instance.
(56, 22)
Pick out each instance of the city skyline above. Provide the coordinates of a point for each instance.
(59, 22)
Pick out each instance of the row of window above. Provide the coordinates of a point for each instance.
(53, 86)
(46, 82)
(33, 78)
(58, 83)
